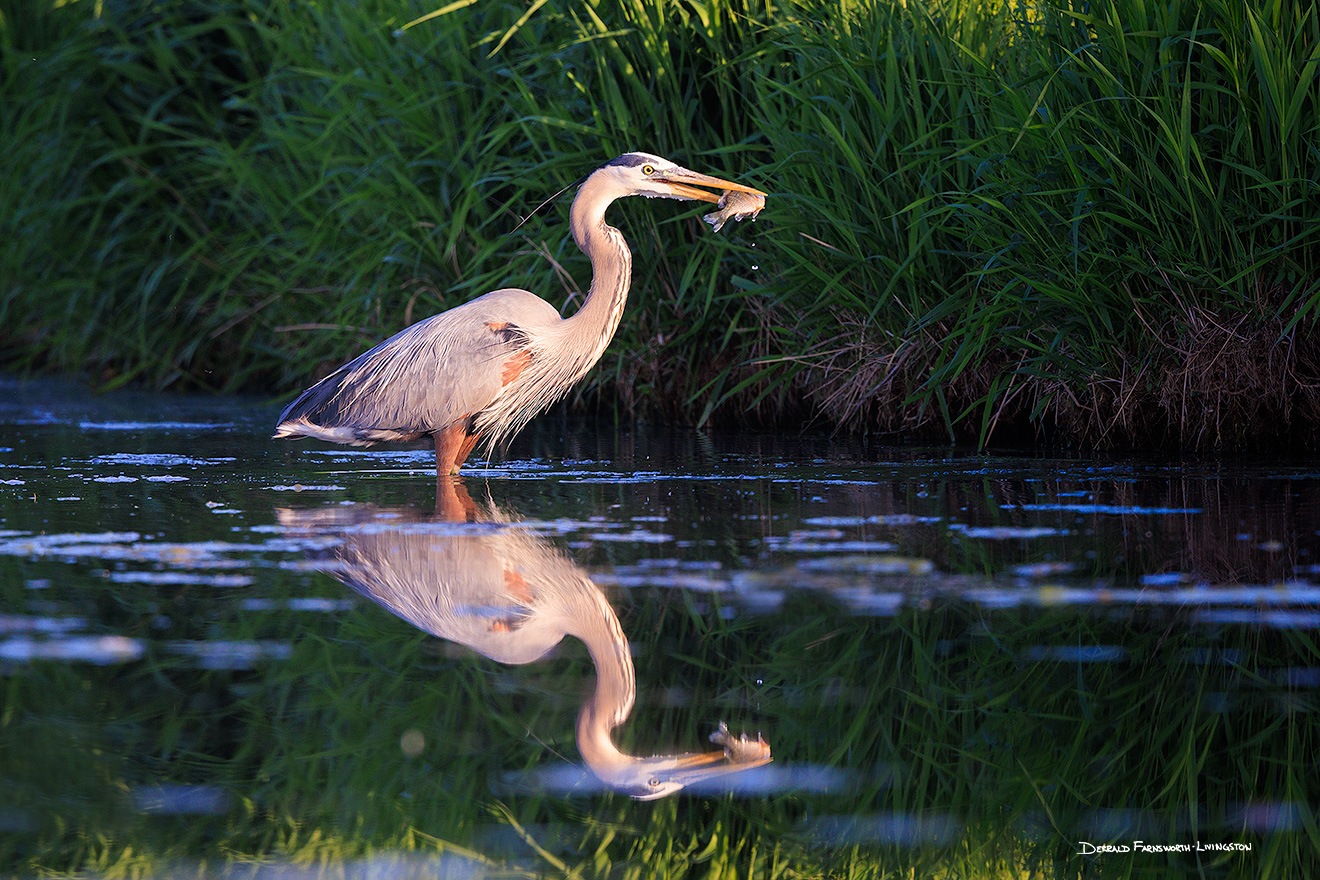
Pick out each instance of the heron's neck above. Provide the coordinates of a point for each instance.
(611, 266)
(616, 683)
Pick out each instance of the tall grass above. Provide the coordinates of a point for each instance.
(1093, 224)
(1079, 220)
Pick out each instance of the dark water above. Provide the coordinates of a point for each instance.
(222, 655)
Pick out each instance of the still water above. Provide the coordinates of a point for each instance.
(630, 652)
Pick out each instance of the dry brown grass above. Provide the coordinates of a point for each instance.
(1209, 379)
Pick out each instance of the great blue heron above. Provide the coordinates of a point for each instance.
(482, 370)
(511, 596)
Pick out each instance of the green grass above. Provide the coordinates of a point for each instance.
(1091, 224)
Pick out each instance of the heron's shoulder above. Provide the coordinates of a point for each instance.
(512, 305)
(498, 309)
(512, 296)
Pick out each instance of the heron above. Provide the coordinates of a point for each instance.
(510, 595)
(480, 371)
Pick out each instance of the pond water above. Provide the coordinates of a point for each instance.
(222, 655)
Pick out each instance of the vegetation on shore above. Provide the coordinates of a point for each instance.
(1096, 224)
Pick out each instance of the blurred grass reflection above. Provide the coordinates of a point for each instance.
(961, 742)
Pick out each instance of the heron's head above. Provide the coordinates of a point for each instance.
(648, 779)
(642, 174)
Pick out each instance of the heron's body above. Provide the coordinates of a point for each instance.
(480, 371)
(400, 390)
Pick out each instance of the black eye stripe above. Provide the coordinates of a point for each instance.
(631, 160)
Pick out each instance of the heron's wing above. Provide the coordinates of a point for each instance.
(427, 376)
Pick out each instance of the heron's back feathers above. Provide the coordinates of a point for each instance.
(425, 378)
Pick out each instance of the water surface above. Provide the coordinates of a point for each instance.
(222, 654)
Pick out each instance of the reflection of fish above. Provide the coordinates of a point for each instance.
(735, 205)
(507, 593)
(740, 749)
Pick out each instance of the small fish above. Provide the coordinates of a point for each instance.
(740, 749)
(734, 205)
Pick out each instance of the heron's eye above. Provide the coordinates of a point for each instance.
(655, 781)
(648, 170)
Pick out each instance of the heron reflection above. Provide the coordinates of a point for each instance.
(510, 595)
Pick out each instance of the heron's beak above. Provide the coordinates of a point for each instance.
(681, 771)
(705, 765)
(683, 183)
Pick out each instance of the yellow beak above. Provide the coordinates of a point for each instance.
(706, 764)
(684, 185)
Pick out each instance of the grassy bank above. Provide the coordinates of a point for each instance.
(1094, 226)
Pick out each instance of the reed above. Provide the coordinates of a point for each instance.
(990, 221)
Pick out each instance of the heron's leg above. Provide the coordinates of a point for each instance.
(466, 447)
(452, 501)
(449, 452)
(453, 445)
